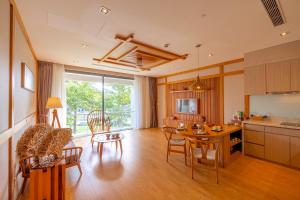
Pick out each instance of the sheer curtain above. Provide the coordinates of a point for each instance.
(58, 90)
(141, 102)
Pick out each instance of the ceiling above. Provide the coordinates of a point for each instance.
(227, 29)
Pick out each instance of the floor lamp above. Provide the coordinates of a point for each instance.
(54, 103)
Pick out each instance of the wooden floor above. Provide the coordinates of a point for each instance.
(143, 173)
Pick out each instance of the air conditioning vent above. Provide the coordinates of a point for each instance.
(274, 11)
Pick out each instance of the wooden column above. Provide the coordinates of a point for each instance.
(247, 106)
(11, 105)
(221, 94)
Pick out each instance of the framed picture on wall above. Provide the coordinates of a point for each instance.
(27, 78)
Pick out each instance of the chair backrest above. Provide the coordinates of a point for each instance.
(169, 132)
(26, 165)
(205, 143)
(97, 123)
(72, 155)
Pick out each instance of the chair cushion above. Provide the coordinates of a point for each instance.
(211, 154)
(177, 141)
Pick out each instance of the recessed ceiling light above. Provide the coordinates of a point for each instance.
(210, 55)
(83, 45)
(283, 34)
(104, 10)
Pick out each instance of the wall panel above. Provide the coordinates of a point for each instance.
(209, 101)
(4, 93)
(15, 47)
(25, 104)
(4, 63)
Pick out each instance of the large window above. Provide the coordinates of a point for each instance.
(85, 93)
(117, 102)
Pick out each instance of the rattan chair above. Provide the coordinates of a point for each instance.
(205, 148)
(25, 166)
(72, 157)
(173, 141)
(98, 123)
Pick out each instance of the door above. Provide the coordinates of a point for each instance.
(255, 80)
(118, 102)
(295, 75)
(277, 148)
(278, 76)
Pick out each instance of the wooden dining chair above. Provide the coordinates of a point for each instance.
(174, 141)
(72, 157)
(205, 148)
(98, 123)
(25, 166)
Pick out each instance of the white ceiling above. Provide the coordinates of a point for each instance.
(57, 28)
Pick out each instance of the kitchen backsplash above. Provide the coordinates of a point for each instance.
(283, 107)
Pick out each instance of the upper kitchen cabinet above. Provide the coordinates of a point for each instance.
(278, 76)
(255, 80)
(295, 74)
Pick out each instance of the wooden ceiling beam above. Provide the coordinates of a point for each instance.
(153, 55)
(159, 64)
(118, 63)
(124, 61)
(141, 44)
(126, 53)
(127, 39)
(239, 60)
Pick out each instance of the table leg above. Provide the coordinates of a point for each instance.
(120, 141)
(101, 149)
(116, 145)
(98, 147)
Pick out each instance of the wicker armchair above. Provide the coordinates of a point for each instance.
(72, 157)
(98, 123)
(25, 166)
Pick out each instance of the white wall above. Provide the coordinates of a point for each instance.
(4, 93)
(278, 106)
(4, 64)
(25, 103)
(233, 95)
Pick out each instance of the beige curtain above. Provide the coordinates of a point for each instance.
(45, 73)
(153, 102)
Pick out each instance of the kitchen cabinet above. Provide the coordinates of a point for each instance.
(254, 150)
(278, 76)
(255, 137)
(277, 148)
(295, 152)
(295, 74)
(255, 80)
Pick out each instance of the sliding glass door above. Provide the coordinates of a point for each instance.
(87, 92)
(117, 102)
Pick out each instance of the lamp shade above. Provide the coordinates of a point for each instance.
(53, 102)
(198, 85)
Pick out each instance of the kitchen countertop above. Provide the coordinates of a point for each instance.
(269, 123)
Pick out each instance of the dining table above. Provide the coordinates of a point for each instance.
(224, 135)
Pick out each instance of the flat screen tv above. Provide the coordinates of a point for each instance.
(187, 106)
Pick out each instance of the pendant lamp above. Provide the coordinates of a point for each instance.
(198, 85)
